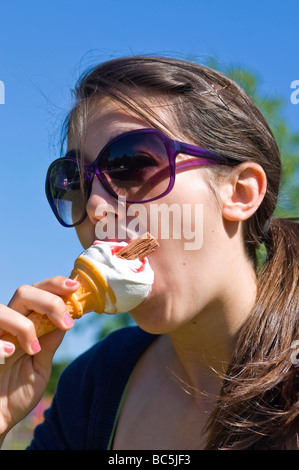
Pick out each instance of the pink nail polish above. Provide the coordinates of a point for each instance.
(35, 346)
(9, 348)
(68, 320)
(70, 283)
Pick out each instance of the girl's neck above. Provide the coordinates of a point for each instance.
(203, 347)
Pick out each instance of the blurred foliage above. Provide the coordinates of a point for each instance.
(113, 323)
(272, 107)
(57, 369)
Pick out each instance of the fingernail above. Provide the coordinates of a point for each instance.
(70, 282)
(68, 320)
(35, 346)
(9, 348)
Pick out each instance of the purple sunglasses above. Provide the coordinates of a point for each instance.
(138, 165)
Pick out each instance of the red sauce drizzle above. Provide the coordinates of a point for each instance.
(141, 268)
(115, 249)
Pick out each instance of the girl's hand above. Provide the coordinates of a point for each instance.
(24, 373)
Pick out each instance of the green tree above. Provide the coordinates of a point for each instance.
(272, 107)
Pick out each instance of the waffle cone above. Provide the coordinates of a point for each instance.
(90, 297)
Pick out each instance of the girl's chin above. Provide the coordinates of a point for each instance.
(152, 317)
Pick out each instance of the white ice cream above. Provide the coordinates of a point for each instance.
(130, 280)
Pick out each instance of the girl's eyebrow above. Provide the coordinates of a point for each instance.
(75, 153)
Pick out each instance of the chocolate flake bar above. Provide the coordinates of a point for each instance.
(139, 248)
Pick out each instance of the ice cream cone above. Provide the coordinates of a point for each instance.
(94, 291)
(90, 297)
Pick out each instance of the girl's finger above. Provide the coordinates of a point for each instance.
(58, 285)
(6, 350)
(20, 327)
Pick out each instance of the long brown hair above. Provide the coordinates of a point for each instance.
(259, 400)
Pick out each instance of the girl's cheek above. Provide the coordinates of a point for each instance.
(86, 233)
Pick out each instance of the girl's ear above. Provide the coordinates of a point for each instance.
(243, 191)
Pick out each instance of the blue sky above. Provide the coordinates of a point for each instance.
(43, 49)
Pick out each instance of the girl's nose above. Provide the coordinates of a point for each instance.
(100, 203)
(106, 213)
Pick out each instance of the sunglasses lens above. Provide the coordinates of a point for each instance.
(64, 191)
(136, 167)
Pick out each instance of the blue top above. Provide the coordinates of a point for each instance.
(85, 407)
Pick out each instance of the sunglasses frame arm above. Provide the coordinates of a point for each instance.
(209, 155)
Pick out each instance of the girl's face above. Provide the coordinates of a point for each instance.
(191, 259)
